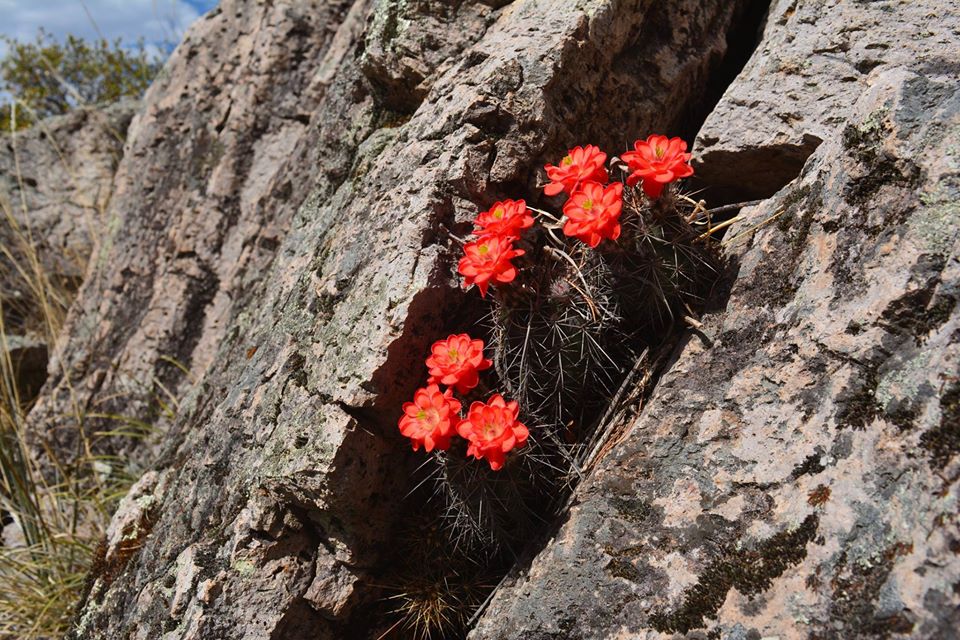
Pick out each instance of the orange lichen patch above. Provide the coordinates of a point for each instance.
(818, 496)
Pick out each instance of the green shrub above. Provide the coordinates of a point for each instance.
(47, 77)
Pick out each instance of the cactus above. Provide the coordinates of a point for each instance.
(491, 513)
(565, 328)
(558, 344)
(564, 335)
(660, 267)
(437, 587)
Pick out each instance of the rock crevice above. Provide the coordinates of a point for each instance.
(283, 228)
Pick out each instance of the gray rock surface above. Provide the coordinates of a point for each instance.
(815, 61)
(55, 183)
(224, 150)
(280, 232)
(28, 357)
(301, 316)
(798, 477)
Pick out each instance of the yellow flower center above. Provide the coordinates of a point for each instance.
(483, 249)
(660, 151)
(498, 213)
(453, 354)
(588, 205)
(567, 161)
(429, 418)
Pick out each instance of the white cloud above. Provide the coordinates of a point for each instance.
(156, 21)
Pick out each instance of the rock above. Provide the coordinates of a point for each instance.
(281, 234)
(796, 477)
(135, 515)
(222, 153)
(55, 184)
(332, 589)
(11, 535)
(55, 181)
(815, 60)
(285, 213)
(407, 44)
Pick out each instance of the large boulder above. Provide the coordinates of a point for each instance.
(286, 212)
(282, 208)
(795, 472)
(55, 185)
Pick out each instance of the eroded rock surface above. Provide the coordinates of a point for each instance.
(55, 185)
(283, 205)
(55, 182)
(218, 159)
(281, 232)
(797, 477)
(816, 59)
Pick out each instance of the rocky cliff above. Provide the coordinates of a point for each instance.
(286, 211)
(55, 185)
(794, 473)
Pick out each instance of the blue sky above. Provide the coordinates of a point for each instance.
(156, 21)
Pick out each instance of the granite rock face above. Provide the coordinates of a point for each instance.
(282, 209)
(55, 186)
(218, 159)
(796, 475)
(815, 61)
(283, 212)
(55, 179)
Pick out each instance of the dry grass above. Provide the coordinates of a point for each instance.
(54, 515)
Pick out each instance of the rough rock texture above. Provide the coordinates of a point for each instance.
(55, 185)
(798, 477)
(55, 179)
(221, 155)
(280, 213)
(815, 61)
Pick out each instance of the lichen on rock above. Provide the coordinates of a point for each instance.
(284, 226)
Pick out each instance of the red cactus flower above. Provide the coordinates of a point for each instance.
(428, 420)
(578, 166)
(492, 430)
(658, 162)
(457, 362)
(488, 260)
(593, 213)
(506, 219)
